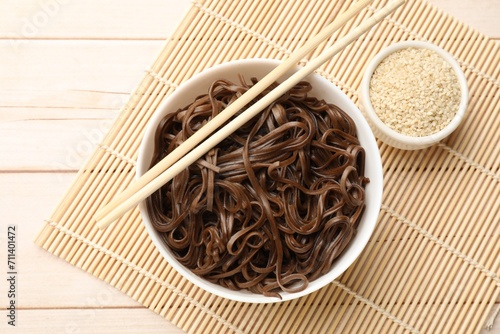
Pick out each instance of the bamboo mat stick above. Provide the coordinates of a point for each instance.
(224, 32)
(232, 109)
(189, 158)
(422, 246)
(321, 15)
(393, 256)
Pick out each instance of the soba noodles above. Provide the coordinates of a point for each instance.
(271, 207)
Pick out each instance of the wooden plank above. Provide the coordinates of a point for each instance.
(45, 281)
(98, 320)
(115, 19)
(50, 145)
(20, 114)
(73, 74)
(482, 15)
(92, 19)
(87, 82)
(53, 100)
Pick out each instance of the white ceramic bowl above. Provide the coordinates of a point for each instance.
(387, 134)
(322, 88)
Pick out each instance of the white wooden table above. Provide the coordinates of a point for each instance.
(66, 67)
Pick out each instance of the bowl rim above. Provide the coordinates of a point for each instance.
(407, 140)
(376, 186)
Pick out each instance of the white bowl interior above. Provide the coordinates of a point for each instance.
(322, 89)
(387, 134)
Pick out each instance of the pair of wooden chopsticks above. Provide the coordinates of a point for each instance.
(188, 152)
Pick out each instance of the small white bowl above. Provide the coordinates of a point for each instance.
(387, 134)
(323, 89)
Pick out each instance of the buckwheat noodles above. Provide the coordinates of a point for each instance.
(272, 206)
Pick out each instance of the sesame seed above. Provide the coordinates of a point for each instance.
(415, 92)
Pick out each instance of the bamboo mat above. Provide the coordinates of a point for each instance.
(432, 265)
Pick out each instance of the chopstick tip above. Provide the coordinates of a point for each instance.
(102, 223)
